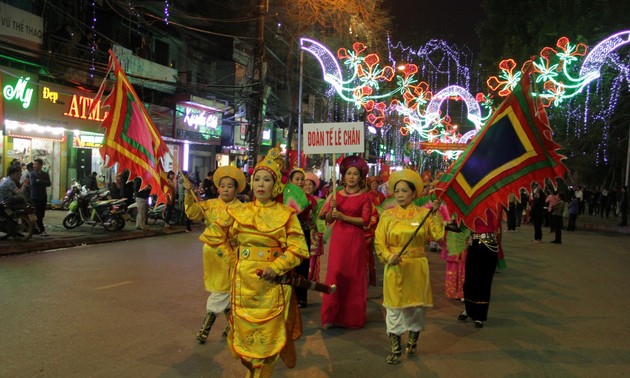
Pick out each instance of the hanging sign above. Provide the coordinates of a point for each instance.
(339, 137)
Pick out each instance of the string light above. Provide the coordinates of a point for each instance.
(93, 45)
(410, 101)
(166, 11)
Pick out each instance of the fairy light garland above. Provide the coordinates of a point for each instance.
(93, 45)
(166, 11)
(389, 92)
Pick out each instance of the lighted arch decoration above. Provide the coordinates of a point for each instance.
(327, 61)
(414, 100)
(591, 67)
(474, 110)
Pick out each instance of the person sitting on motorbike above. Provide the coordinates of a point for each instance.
(9, 185)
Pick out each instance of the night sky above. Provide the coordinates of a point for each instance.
(417, 21)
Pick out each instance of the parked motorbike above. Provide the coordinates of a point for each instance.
(17, 219)
(154, 213)
(94, 208)
(74, 190)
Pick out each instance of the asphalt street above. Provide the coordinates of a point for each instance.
(132, 309)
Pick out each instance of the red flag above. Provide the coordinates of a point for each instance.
(131, 138)
(384, 172)
(339, 159)
(511, 151)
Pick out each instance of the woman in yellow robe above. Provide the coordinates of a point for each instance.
(216, 272)
(264, 319)
(406, 285)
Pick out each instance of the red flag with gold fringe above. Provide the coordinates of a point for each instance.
(131, 138)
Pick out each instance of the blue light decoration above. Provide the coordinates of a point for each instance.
(166, 11)
(93, 45)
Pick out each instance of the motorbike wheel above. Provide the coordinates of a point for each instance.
(114, 223)
(72, 220)
(24, 229)
(65, 205)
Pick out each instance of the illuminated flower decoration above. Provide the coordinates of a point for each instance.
(361, 92)
(376, 114)
(409, 70)
(553, 94)
(369, 73)
(358, 48)
(570, 52)
(404, 131)
(543, 66)
(510, 79)
(417, 95)
(486, 100)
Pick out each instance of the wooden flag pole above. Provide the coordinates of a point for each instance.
(422, 222)
(334, 175)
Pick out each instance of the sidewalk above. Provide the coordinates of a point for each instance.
(82, 235)
(86, 234)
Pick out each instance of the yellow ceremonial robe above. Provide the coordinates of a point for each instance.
(406, 284)
(267, 235)
(216, 268)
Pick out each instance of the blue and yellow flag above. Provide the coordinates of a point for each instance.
(510, 152)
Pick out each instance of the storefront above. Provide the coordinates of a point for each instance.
(198, 129)
(25, 137)
(68, 109)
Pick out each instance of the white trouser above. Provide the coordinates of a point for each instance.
(217, 302)
(402, 320)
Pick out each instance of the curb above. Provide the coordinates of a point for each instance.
(15, 248)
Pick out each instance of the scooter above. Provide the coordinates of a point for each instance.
(17, 219)
(94, 209)
(74, 190)
(154, 213)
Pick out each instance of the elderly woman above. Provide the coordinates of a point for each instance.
(350, 209)
(216, 272)
(406, 285)
(270, 243)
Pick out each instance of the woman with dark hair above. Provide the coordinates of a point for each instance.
(406, 284)
(262, 239)
(349, 210)
(216, 270)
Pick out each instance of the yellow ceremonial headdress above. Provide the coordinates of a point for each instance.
(233, 173)
(297, 169)
(406, 175)
(270, 163)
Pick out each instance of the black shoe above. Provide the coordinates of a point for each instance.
(556, 242)
(478, 324)
(462, 317)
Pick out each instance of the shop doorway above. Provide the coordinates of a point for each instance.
(84, 163)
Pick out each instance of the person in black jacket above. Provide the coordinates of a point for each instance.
(39, 181)
(90, 182)
(538, 213)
